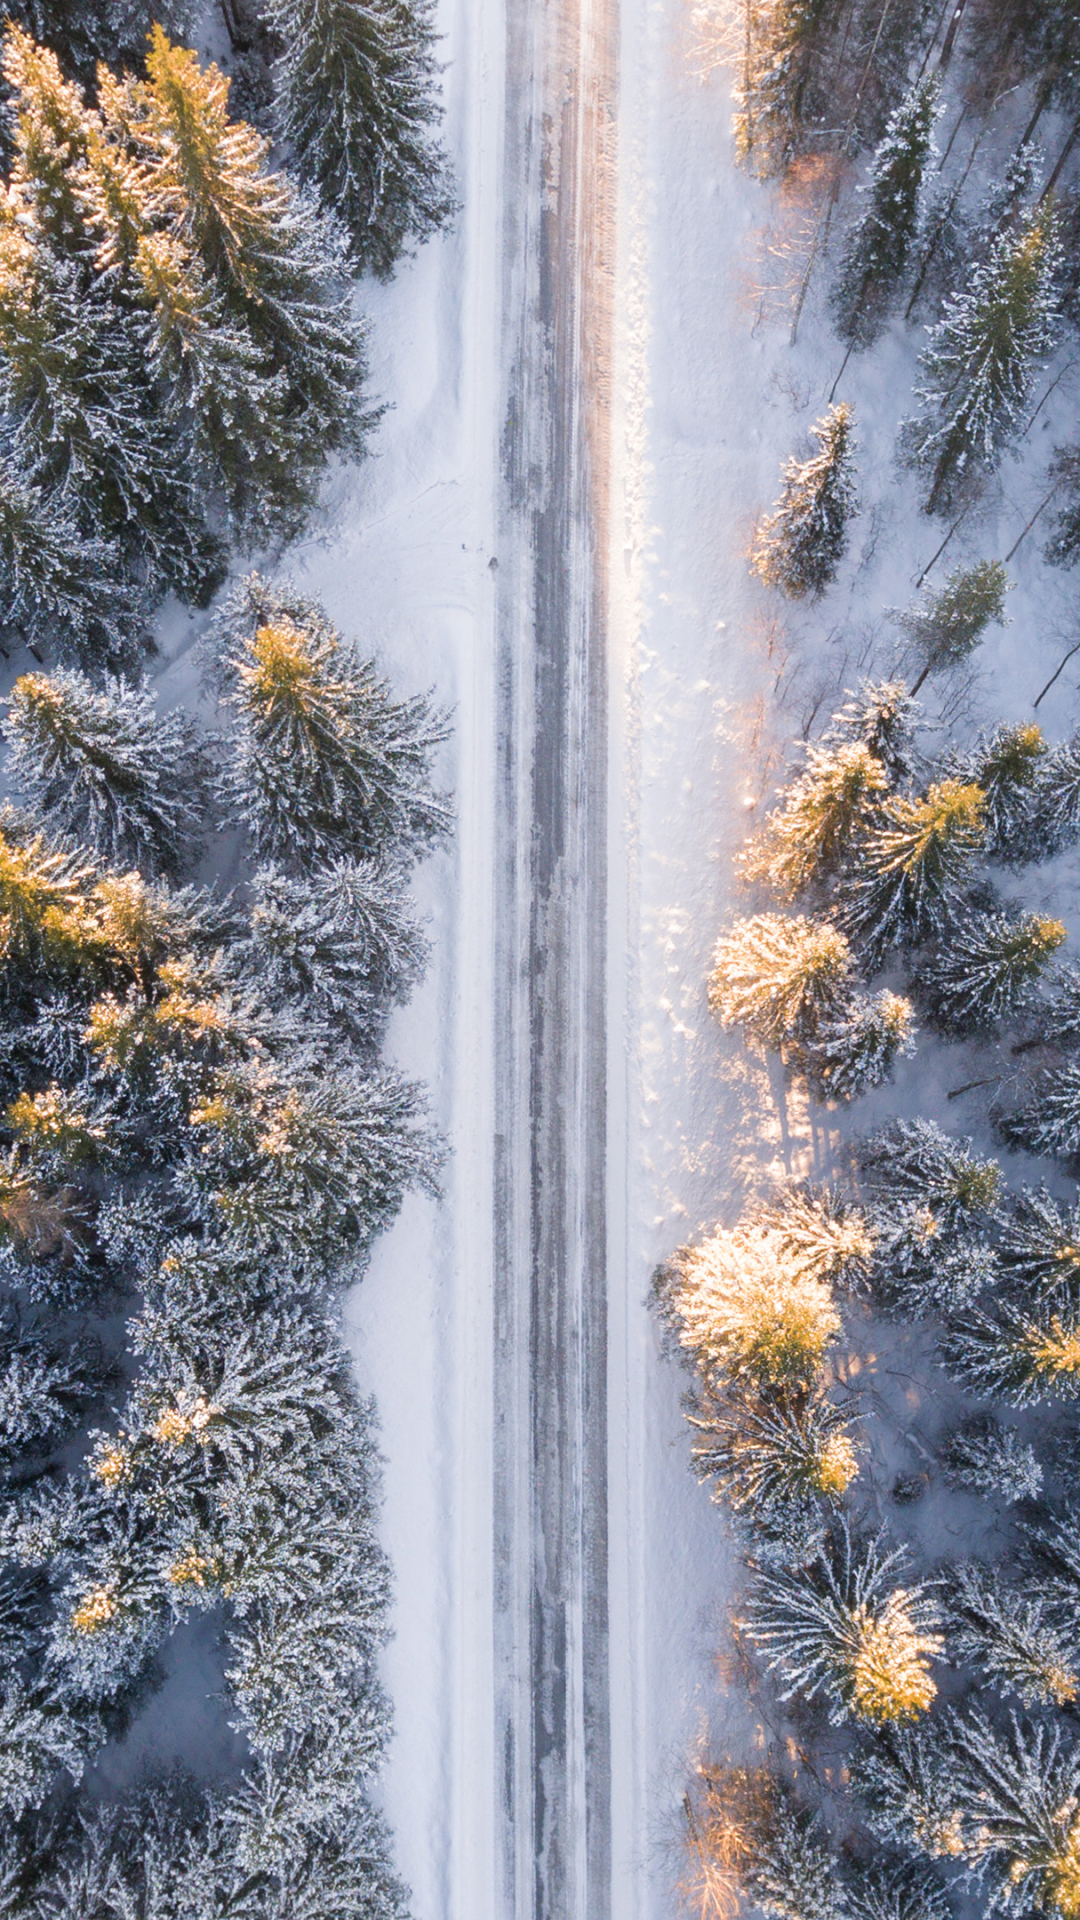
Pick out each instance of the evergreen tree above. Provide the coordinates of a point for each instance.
(988, 969)
(42, 1389)
(1050, 1122)
(106, 767)
(949, 622)
(38, 1738)
(848, 1634)
(356, 103)
(344, 941)
(791, 1873)
(744, 1309)
(1019, 1792)
(880, 714)
(986, 1458)
(981, 358)
(59, 590)
(1053, 1543)
(774, 77)
(893, 1890)
(910, 869)
(324, 763)
(1063, 546)
(906, 1780)
(817, 1233)
(778, 1466)
(779, 978)
(1012, 1641)
(1020, 1355)
(86, 31)
(1054, 813)
(921, 1270)
(915, 1162)
(799, 547)
(1008, 768)
(880, 242)
(856, 1050)
(825, 811)
(1039, 1248)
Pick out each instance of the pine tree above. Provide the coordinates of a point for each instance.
(106, 767)
(1039, 1248)
(817, 1233)
(1012, 1641)
(1050, 1122)
(986, 1458)
(1020, 1355)
(915, 1162)
(856, 1050)
(906, 1780)
(895, 1890)
(1053, 1543)
(61, 591)
(356, 102)
(744, 1309)
(981, 358)
(790, 1873)
(880, 714)
(86, 31)
(324, 763)
(911, 869)
(1009, 769)
(44, 914)
(921, 1270)
(774, 77)
(778, 1466)
(848, 1634)
(1019, 1792)
(345, 941)
(42, 1388)
(38, 1738)
(825, 811)
(880, 242)
(988, 969)
(779, 978)
(799, 547)
(1054, 814)
(949, 622)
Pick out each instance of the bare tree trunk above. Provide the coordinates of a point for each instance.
(950, 37)
(241, 23)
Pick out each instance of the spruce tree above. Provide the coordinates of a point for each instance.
(1019, 1791)
(1053, 820)
(981, 359)
(905, 1778)
(774, 76)
(324, 764)
(779, 978)
(880, 242)
(1009, 769)
(1011, 1639)
(86, 31)
(1039, 1248)
(986, 1458)
(106, 767)
(916, 1162)
(39, 1739)
(791, 1873)
(1050, 1120)
(1021, 1355)
(911, 869)
(799, 547)
(745, 1309)
(988, 969)
(949, 622)
(343, 941)
(61, 592)
(921, 1270)
(856, 1049)
(848, 1633)
(896, 1890)
(880, 714)
(833, 800)
(779, 1466)
(356, 103)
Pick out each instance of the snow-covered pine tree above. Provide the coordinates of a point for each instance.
(1022, 1355)
(1011, 1640)
(916, 1162)
(45, 917)
(356, 102)
(789, 1870)
(1063, 546)
(1009, 769)
(921, 1270)
(881, 714)
(60, 591)
(848, 1633)
(345, 940)
(779, 1466)
(772, 80)
(800, 545)
(911, 869)
(779, 978)
(744, 1308)
(40, 1737)
(1053, 821)
(987, 969)
(826, 809)
(43, 1388)
(1019, 1792)
(986, 1458)
(948, 623)
(880, 242)
(102, 765)
(905, 1779)
(895, 1890)
(86, 31)
(981, 359)
(1050, 1120)
(1052, 1541)
(324, 764)
(856, 1049)
(1039, 1247)
(276, 263)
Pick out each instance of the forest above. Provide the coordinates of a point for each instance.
(200, 1137)
(884, 1364)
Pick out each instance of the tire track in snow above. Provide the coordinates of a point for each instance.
(551, 1575)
